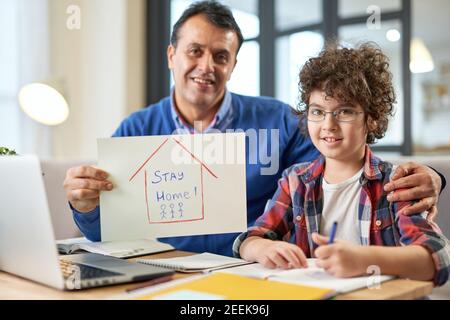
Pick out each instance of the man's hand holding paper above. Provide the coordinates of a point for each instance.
(83, 185)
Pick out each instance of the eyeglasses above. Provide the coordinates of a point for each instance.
(341, 115)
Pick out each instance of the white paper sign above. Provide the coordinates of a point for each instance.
(174, 185)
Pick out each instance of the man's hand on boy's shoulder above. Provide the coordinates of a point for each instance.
(419, 183)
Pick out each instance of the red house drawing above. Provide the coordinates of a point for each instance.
(168, 210)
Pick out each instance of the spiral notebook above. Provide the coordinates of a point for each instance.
(203, 262)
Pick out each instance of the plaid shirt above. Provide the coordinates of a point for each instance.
(294, 213)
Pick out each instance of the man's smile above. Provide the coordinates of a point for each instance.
(203, 81)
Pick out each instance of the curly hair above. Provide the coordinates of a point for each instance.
(357, 75)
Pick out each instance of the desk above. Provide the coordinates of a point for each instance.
(12, 287)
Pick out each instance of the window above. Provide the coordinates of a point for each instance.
(282, 34)
(351, 8)
(291, 14)
(387, 24)
(9, 75)
(292, 51)
(351, 35)
(24, 58)
(245, 77)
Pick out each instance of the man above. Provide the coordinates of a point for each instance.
(202, 55)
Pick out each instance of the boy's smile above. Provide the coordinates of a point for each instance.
(331, 141)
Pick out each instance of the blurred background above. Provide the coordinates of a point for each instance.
(108, 59)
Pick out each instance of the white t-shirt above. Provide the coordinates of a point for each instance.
(340, 203)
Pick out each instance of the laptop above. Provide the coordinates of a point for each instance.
(27, 241)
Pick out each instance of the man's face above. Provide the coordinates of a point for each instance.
(202, 63)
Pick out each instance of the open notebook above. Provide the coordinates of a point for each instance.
(311, 276)
(118, 249)
(203, 262)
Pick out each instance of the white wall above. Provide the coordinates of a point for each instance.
(136, 60)
(101, 66)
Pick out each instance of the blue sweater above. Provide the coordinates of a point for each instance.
(248, 113)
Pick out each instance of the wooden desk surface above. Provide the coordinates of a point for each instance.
(13, 287)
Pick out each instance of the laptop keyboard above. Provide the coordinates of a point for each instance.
(85, 272)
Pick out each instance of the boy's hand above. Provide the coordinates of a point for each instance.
(340, 259)
(274, 254)
(423, 185)
(281, 254)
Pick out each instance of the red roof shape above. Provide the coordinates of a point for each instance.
(183, 147)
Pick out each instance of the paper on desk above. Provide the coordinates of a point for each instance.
(311, 276)
(71, 241)
(257, 270)
(174, 185)
(118, 249)
(202, 262)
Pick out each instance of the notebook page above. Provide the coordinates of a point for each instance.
(311, 276)
(257, 270)
(195, 262)
(122, 249)
(318, 277)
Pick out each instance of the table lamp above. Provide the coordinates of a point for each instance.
(421, 59)
(44, 102)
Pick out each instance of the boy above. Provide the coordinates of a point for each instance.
(347, 96)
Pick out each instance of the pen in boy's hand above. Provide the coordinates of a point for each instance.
(333, 233)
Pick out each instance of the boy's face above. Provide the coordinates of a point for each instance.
(337, 140)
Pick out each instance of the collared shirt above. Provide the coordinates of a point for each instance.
(294, 213)
(221, 120)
